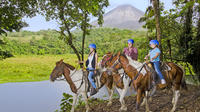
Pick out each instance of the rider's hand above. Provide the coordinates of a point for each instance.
(81, 62)
(146, 57)
(95, 71)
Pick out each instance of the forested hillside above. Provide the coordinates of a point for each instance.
(48, 42)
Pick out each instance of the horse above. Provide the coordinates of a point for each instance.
(77, 79)
(141, 77)
(115, 78)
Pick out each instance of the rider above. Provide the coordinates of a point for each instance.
(130, 50)
(91, 65)
(155, 58)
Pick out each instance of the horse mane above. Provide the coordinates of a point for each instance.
(123, 55)
(69, 66)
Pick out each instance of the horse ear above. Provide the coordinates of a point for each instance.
(60, 61)
(118, 53)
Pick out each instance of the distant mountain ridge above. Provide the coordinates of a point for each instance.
(123, 17)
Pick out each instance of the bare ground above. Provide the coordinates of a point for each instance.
(189, 101)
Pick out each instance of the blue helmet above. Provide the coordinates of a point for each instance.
(131, 41)
(154, 42)
(92, 46)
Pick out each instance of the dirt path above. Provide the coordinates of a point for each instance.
(189, 101)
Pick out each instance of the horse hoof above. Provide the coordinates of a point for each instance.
(173, 110)
(87, 109)
(109, 104)
(150, 99)
(123, 109)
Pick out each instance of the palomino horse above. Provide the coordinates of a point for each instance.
(142, 78)
(77, 80)
(115, 79)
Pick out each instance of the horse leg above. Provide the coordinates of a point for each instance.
(143, 101)
(86, 101)
(138, 99)
(177, 94)
(173, 97)
(121, 99)
(110, 92)
(152, 93)
(146, 101)
(74, 102)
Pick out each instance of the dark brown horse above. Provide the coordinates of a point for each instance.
(141, 75)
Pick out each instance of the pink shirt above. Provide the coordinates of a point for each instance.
(133, 52)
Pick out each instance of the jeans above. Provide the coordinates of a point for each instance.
(157, 69)
(91, 73)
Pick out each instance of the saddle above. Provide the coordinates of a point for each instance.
(163, 67)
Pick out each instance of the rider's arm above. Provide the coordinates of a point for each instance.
(146, 57)
(96, 58)
(157, 54)
(136, 53)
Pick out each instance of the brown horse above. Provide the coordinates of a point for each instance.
(77, 79)
(141, 75)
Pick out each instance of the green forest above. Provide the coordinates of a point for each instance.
(48, 42)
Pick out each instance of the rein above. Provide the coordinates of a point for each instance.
(137, 74)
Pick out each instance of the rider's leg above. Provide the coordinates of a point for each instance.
(157, 69)
(91, 73)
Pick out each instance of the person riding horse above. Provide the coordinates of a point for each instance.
(91, 65)
(154, 55)
(130, 50)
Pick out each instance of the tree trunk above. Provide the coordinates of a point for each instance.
(84, 34)
(170, 49)
(69, 41)
(158, 28)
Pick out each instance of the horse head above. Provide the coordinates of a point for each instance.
(59, 69)
(115, 64)
(105, 60)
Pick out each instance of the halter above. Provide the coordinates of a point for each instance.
(106, 60)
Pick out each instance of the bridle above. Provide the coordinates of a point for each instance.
(106, 60)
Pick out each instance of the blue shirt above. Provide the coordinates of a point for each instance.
(153, 54)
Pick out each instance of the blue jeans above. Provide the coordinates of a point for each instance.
(157, 69)
(91, 73)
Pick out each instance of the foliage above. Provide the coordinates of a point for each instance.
(179, 30)
(11, 14)
(47, 42)
(66, 103)
(73, 14)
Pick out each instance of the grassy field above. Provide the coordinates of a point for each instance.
(28, 68)
(31, 68)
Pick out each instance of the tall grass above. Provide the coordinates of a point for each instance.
(31, 68)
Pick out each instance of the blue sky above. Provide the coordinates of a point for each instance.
(39, 23)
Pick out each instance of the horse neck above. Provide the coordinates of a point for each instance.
(127, 65)
(71, 75)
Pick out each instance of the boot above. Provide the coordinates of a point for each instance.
(93, 91)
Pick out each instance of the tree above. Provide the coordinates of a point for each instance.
(156, 9)
(180, 31)
(11, 14)
(152, 20)
(72, 14)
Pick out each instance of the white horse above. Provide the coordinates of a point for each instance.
(77, 80)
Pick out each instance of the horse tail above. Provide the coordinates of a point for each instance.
(183, 82)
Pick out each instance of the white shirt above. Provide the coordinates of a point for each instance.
(90, 57)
